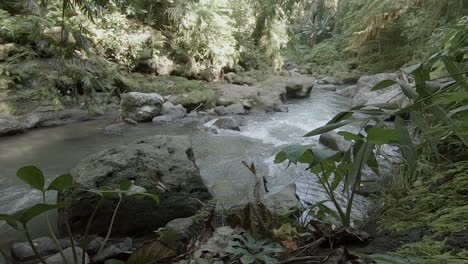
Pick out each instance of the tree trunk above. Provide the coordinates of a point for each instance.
(260, 26)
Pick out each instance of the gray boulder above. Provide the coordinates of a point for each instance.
(161, 164)
(349, 91)
(334, 141)
(163, 119)
(329, 80)
(68, 253)
(141, 107)
(299, 89)
(114, 129)
(230, 76)
(23, 251)
(177, 233)
(236, 109)
(10, 127)
(227, 123)
(243, 80)
(365, 96)
(175, 111)
(7, 50)
(281, 109)
(220, 110)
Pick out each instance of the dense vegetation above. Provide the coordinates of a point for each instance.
(81, 46)
(87, 52)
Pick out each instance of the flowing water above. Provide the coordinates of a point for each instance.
(219, 157)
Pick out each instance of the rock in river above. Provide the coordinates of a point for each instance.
(300, 88)
(141, 107)
(153, 162)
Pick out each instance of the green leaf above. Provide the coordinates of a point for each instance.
(10, 220)
(384, 84)
(27, 215)
(125, 184)
(350, 136)
(61, 183)
(420, 121)
(293, 153)
(380, 136)
(330, 127)
(32, 176)
(409, 91)
(411, 69)
(406, 144)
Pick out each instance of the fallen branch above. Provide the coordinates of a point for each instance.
(312, 245)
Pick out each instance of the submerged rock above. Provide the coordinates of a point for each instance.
(334, 141)
(349, 91)
(155, 163)
(236, 109)
(227, 123)
(141, 107)
(163, 119)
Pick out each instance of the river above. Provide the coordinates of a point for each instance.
(219, 156)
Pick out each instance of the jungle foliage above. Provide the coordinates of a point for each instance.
(428, 188)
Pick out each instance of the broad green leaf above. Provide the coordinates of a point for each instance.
(383, 84)
(28, 214)
(32, 176)
(327, 210)
(125, 185)
(344, 115)
(293, 153)
(380, 136)
(61, 183)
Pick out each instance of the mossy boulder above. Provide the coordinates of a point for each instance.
(163, 165)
